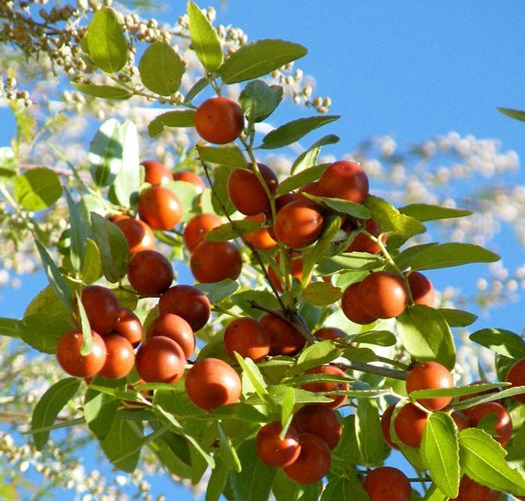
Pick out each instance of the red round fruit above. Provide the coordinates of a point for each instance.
(313, 461)
(430, 376)
(409, 425)
(102, 308)
(190, 177)
(421, 289)
(386, 419)
(215, 261)
(150, 273)
(470, 490)
(138, 234)
(219, 120)
(319, 420)
(496, 416)
(298, 224)
(516, 377)
(129, 326)
(332, 333)
(188, 302)
(156, 173)
(274, 450)
(159, 359)
(363, 243)
(73, 362)
(387, 484)
(246, 191)
(120, 357)
(352, 308)
(329, 386)
(259, 238)
(345, 180)
(176, 328)
(160, 208)
(285, 339)
(212, 383)
(383, 294)
(197, 227)
(312, 188)
(248, 337)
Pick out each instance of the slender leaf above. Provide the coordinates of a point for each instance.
(309, 157)
(512, 113)
(227, 451)
(304, 177)
(92, 266)
(229, 156)
(10, 327)
(161, 69)
(457, 318)
(218, 291)
(372, 447)
(106, 153)
(183, 118)
(104, 91)
(426, 212)
(285, 489)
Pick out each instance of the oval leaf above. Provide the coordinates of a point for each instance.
(258, 100)
(512, 113)
(161, 69)
(316, 355)
(501, 341)
(426, 212)
(259, 58)
(321, 293)
(104, 91)
(106, 152)
(372, 447)
(230, 156)
(184, 118)
(37, 188)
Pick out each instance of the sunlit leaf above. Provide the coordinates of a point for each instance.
(161, 69)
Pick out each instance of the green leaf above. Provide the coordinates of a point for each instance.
(346, 452)
(426, 335)
(106, 42)
(46, 410)
(37, 188)
(426, 212)
(321, 293)
(217, 483)
(435, 494)
(344, 487)
(483, 460)
(77, 234)
(113, 246)
(122, 444)
(255, 480)
(220, 199)
(342, 206)
(458, 318)
(218, 291)
(304, 177)
(204, 39)
(285, 489)
(245, 299)
(292, 131)
(259, 58)
(451, 254)
(229, 231)
(104, 91)
(106, 152)
(43, 330)
(9, 327)
(92, 266)
(161, 69)
(372, 447)
(87, 337)
(172, 451)
(379, 338)
(8, 162)
(516, 114)
(317, 354)
(501, 341)
(309, 157)
(252, 372)
(230, 156)
(196, 89)
(404, 258)
(259, 100)
(227, 451)
(184, 118)
(440, 452)
(390, 219)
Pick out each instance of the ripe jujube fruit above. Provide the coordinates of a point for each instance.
(248, 337)
(329, 386)
(212, 383)
(159, 359)
(188, 302)
(190, 177)
(259, 238)
(470, 490)
(409, 425)
(352, 308)
(176, 328)
(156, 173)
(160, 208)
(494, 414)
(363, 243)
(219, 120)
(313, 461)
(346, 180)
(197, 227)
(298, 224)
(386, 420)
(319, 420)
(285, 339)
(333, 333)
(247, 193)
(430, 376)
(129, 326)
(215, 261)
(150, 273)
(102, 308)
(73, 362)
(274, 450)
(421, 289)
(383, 294)
(120, 357)
(138, 234)
(516, 377)
(387, 484)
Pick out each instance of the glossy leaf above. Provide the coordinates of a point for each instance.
(317, 354)
(440, 452)
(251, 371)
(172, 451)
(291, 132)
(105, 153)
(161, 69)
(204, 39)
(373, 449)
(48, 407)
(104, 91)
(37, 188)
(77, 233)
(259, 58)
(220, 199)
(299, 180)
(344, 487)
(501, 341)
(106, 42)
(342, 206)
(247, 298)
(43, 330)
(217, 482)
(183, 118)
(426, 335)
(426, 212)
(347, 450)
(259, 100)
(375, 337)
(321, 293)
(229, 156)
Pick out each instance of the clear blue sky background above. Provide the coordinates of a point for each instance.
(411, 69)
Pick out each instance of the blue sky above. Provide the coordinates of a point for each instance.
(409, 69)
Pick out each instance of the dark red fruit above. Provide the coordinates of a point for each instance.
(73, 362)
(160, 360)
(345, 180)
(329, 386)
(102, 308)
(319, 420)
(248, 337)
(120, 357)
(430, 376)
(150, 273)
(387, 484)
(274, 450)
(176, 328)
(188, 302)
(285, 339)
